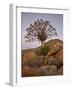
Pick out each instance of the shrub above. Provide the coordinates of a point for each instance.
(42, 51)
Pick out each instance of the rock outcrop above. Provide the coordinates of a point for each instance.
(52, 64)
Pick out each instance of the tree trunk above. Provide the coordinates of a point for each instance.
(42, 43)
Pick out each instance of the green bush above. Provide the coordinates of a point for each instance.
(43, 50)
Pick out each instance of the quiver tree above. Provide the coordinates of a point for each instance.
(40, 30)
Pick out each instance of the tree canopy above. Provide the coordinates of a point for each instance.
(40, 30)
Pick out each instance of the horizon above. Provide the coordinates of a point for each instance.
(45, 43)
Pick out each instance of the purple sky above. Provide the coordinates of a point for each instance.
(56, 21)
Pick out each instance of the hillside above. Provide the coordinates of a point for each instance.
(32, 64)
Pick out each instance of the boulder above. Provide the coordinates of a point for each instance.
(55, 45)
(51, 58)
(53, 70)
(43, 70)
(48, 70)
(59, 55)
(28, 71)
(60, 71)
(55, 62)
(39, 61)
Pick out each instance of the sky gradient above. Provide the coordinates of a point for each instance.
(56, 20)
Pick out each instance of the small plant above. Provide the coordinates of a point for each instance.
(43, 51)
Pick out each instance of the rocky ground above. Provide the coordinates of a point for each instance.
(33, 65)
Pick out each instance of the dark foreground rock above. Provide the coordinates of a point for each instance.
(48, 70)
(60, 71)
(55, 62)
(28, 71)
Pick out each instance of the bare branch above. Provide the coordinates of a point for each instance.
(40, 30)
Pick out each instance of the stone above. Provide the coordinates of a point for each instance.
(55, 62)
(48, 70)
(29, 71)
(59, 55)
(60, 71)
(43, 70)
(39, 61)
(53, 70)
